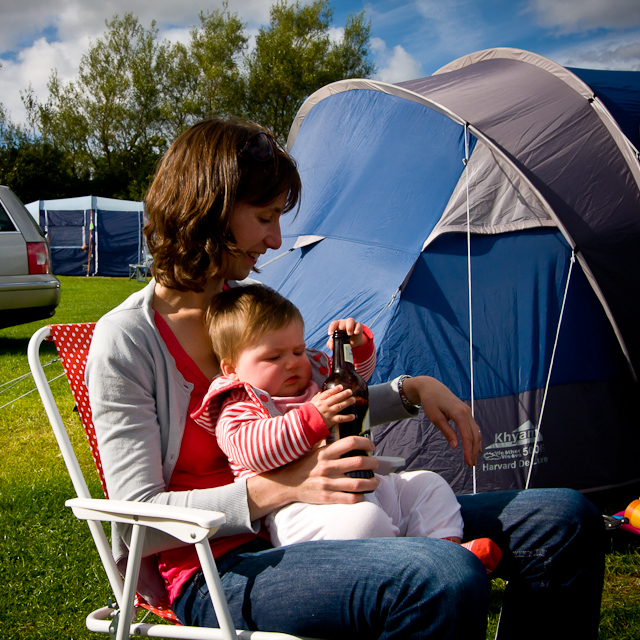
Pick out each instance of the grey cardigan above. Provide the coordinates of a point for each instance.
(139, 402)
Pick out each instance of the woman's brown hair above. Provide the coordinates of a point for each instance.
(197, 184)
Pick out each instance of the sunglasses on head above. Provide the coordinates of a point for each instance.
(260, 146)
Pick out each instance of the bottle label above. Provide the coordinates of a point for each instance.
(348, 353)
(365, 432)
(366, 426)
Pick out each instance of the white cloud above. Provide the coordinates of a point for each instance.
(573, 16)
(33, 66)
(336, 34)
(623, 55)
(175, 34)
(68, 18)
(394, 65)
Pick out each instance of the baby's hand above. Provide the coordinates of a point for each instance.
(330, 402)
(353, 329)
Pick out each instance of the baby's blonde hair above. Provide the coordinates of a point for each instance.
(239, 316)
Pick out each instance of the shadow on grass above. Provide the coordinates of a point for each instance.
(18, 346)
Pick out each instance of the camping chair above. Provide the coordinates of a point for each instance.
(141, 270)
(193, 526)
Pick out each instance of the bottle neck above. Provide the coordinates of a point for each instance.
(342, 354)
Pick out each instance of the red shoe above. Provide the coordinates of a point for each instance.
(487, 551)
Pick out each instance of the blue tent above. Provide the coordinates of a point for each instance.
(485, 222)
(91, 235)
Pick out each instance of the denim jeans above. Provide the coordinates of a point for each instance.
(553, 541)
(405, 588)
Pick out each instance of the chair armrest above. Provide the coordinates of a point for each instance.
(185, 524)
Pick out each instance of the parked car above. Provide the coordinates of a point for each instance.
(28, 289)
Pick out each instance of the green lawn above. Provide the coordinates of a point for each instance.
(52, 574)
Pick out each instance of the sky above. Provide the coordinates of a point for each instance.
(409, 39)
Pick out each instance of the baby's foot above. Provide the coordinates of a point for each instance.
(487, 551)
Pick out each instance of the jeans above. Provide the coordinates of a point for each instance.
(553, 541)
(404, 588)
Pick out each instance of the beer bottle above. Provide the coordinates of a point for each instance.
(343, 372)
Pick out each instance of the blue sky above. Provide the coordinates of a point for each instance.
(587, 33)
(410, 39)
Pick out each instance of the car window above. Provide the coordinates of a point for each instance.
(5, 221)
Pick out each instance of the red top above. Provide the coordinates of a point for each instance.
(201, 465)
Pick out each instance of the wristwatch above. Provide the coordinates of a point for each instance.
(406, 403)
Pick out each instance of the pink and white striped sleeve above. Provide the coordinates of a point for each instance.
(254, 443)
(364, 357)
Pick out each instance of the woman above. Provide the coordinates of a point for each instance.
(214, 207)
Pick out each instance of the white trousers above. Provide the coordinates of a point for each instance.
(411, 504)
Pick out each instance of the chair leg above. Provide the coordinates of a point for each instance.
(219, 600)
(141, 273)
(130, 583)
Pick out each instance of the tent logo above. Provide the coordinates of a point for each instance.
(513, 449)
(525, 434)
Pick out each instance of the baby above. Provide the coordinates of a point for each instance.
(266, 410)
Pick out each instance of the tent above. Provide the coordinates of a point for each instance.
(619, 92)
(485, 222)
(91, 236)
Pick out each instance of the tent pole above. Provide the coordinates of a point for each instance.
(90, 245)
(471, 372)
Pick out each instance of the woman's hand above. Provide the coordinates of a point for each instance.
(317, 478)
(354, 330)
(440, 405)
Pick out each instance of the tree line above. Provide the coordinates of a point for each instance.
(103, 133)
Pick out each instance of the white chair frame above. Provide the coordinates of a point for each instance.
(193, 526)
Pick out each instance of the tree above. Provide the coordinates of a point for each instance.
(216, 50)
(33, 169)
(179, 91)
(134, 94)
(8, 130)
(350, 58)
(205, 77)
(294, 56)
(109, 119)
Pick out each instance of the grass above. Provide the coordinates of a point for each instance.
(52, 573)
